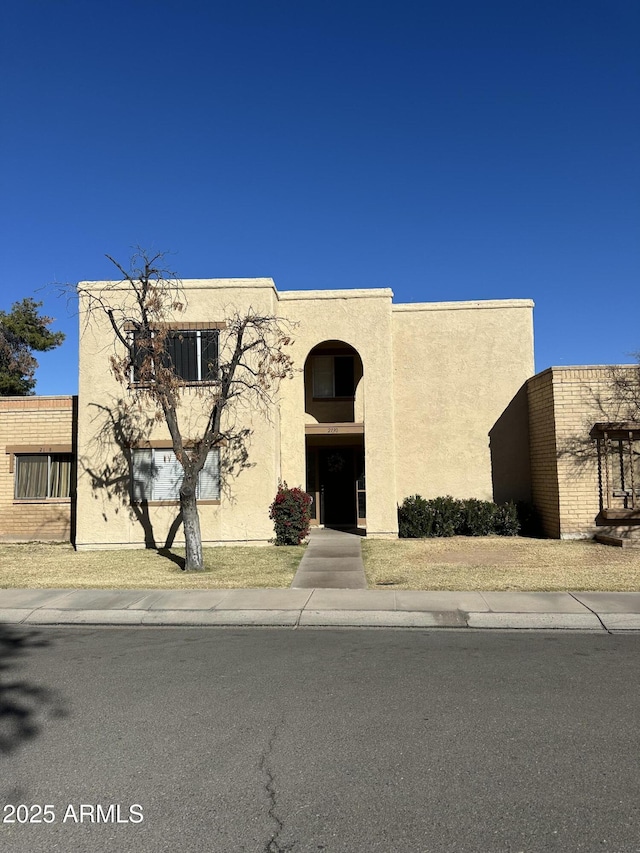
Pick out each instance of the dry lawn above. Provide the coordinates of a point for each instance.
(39, 565)
(459, 563)
(499, 563)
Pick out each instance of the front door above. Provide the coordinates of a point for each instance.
(336, 471)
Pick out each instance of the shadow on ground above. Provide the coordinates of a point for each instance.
(347, 528)
(24, 704)
(175, 558)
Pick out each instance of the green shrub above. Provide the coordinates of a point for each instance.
(290, 513)
(415, 518)
(478, 517)
(507, 521)
(446, 516)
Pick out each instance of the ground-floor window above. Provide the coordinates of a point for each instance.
(157, 475)
(43, 476)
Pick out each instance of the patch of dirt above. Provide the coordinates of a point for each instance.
(471, 556)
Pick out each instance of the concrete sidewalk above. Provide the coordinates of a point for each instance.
(332, 560)
(584, 611)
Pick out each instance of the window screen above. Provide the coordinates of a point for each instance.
(141, 351)
(193, 355)
(167, 476)
(209, 354)
(157, 476)
(182, 355)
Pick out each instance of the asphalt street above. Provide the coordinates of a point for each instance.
(346, 741)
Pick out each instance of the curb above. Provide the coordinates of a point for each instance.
(325, 619)
(604, 612)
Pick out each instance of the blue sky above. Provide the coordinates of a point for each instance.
(450, 151)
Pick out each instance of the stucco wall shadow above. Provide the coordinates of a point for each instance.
(509, 446)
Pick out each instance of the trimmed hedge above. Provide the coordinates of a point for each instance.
(419, 518)
(290, 513)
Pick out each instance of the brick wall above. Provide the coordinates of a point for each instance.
(543, 455)
(564, 403)
(33, 423)
(577, 392)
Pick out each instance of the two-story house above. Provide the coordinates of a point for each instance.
(387, 400)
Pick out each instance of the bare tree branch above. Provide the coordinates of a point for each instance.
(143, 309)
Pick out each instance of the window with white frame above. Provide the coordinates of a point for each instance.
(42, 476)
(193, 354)
(157, 475)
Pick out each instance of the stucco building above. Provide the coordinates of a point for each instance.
(387, 400)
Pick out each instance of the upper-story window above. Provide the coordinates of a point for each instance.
(193, 354)
(333, 376)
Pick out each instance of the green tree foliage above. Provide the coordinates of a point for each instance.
(23, 331)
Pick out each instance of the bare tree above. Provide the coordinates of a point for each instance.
(613, 399)
(621, 399)
(243, 370)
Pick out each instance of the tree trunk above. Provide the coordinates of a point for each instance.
(192, 536)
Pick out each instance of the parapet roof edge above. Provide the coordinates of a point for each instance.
(581, 367)
(355, 293)
(587, 366)
(27, 397)
(464, 305)
(191, 283)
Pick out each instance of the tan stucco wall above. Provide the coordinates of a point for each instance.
(362, 319)
(458, 367)
(436, 379)
(564, 404)
(33, 425)
(105, 515)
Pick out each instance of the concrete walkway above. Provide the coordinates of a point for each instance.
(610, 612)
(332, 560)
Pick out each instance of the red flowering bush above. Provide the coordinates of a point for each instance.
(290, 513)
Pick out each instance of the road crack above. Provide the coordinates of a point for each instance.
(597, 615)
(273, 845)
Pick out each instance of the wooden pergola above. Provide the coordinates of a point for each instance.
(619, 468)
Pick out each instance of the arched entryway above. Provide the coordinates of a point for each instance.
(334, 435)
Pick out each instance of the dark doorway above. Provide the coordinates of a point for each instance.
(336, 469)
